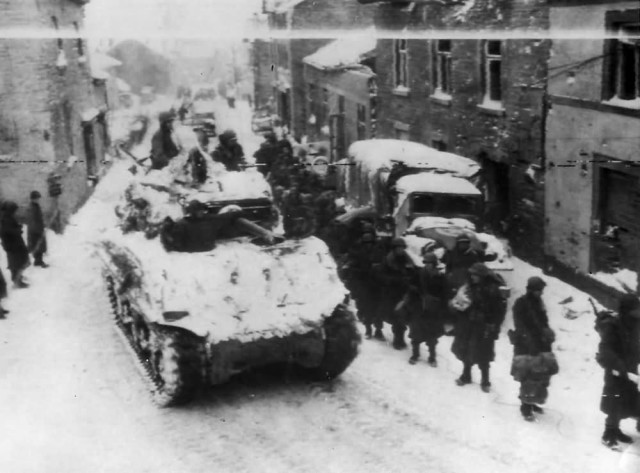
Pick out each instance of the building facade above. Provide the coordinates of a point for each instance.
(289, 18)
(482, 99)
(340, 94)
(49, 123)
(593, 141)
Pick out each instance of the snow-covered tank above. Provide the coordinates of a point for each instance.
(203, 289)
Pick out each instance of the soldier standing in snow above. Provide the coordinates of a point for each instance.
(36, 238)
(360, 281)
(619, 355)
(428, 306)
(229, 152)
(164, 145)
(13, 243)
(394, 276)
(532, 336)
(479, 321)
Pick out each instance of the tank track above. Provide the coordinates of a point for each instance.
(170, 360)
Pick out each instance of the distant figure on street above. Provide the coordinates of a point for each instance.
(13, 243)
(482, 309)
(164, 144)
(532, 338)
(229, 152)
(231, 95)
(197, 161)
(619, 355)
(36, 236)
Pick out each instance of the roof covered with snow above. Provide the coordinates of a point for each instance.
(283, 6)
(376, 154)
(343, 53)
(435, 183)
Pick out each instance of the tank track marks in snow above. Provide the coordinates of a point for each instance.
(170, 359)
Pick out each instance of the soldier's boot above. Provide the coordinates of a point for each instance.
(415, 354)
(485, 384)
(610, 439)
(622, 437)
(378, 335)
(465, 378)
(398, 337)
(527, 412)
(367, 332)
(432, 355)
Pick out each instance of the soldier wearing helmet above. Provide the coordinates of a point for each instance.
(164, 143)
(479, 322)
(394, 277)
(459, 259)
(229, 152)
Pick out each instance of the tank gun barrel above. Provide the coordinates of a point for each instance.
(250, 227)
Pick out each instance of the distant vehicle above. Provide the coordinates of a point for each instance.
(403, 180)
(263, 121)
(202, 110)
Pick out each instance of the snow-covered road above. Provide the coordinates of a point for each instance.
(72, 400)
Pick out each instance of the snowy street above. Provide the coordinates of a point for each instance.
(72, 399)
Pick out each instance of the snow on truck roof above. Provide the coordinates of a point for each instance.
(378, 153)
(435, 183)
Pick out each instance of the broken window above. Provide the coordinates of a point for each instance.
(401, 63)
(442, 66)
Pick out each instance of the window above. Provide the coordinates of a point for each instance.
(624, 77)
(362, 122)
(341, 104)
(79, 44)
(401, 63)
(56, 26)
(442, 66)
(492, 71)
(325, 107)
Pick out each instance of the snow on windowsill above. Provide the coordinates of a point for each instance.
(401, 90)
(618, 102)
(440, 97)
(622, 280)
(492, 106)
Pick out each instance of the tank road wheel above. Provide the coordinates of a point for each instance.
(175, 368)
(342, 340)
(140, 334)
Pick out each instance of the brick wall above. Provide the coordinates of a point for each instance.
(33, 94)
(512, 136)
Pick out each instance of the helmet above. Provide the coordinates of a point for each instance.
(164, 117)
(35, 195)
(463, 237)
(430, 258)
(368, 237)
(398, 243)
(536, 283)
(479, 269)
